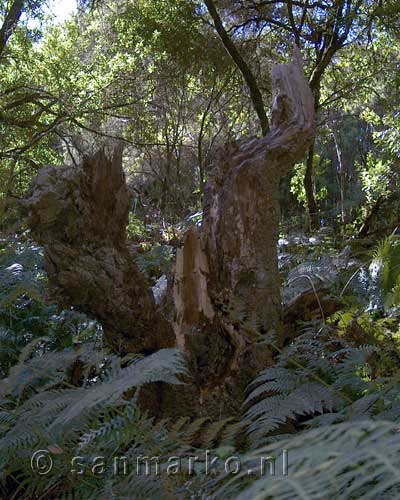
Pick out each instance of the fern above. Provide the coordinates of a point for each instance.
(318, 380)
(308, 399)
(327, 400)
(348, 461)
(95, 417)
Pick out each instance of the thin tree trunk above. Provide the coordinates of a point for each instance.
(340, 179)
(241, 64)
(312, 207)
(365, 228)
(309, 188)
(10, 22)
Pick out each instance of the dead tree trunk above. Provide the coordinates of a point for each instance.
(227, 288)
(80, 216)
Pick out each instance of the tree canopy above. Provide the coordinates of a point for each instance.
(199, 249)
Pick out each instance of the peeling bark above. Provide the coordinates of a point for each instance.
(80, 216)
(227, 288)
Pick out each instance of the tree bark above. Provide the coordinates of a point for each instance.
(80, 217)
(10, 22)
(372, 216)
(227, 287)
(309, 189)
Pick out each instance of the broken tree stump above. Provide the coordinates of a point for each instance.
(227, 287)
(80, 216)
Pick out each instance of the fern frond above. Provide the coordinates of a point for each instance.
(350, 460)
(308, 399)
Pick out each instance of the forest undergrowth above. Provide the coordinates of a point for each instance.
(330, 402)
